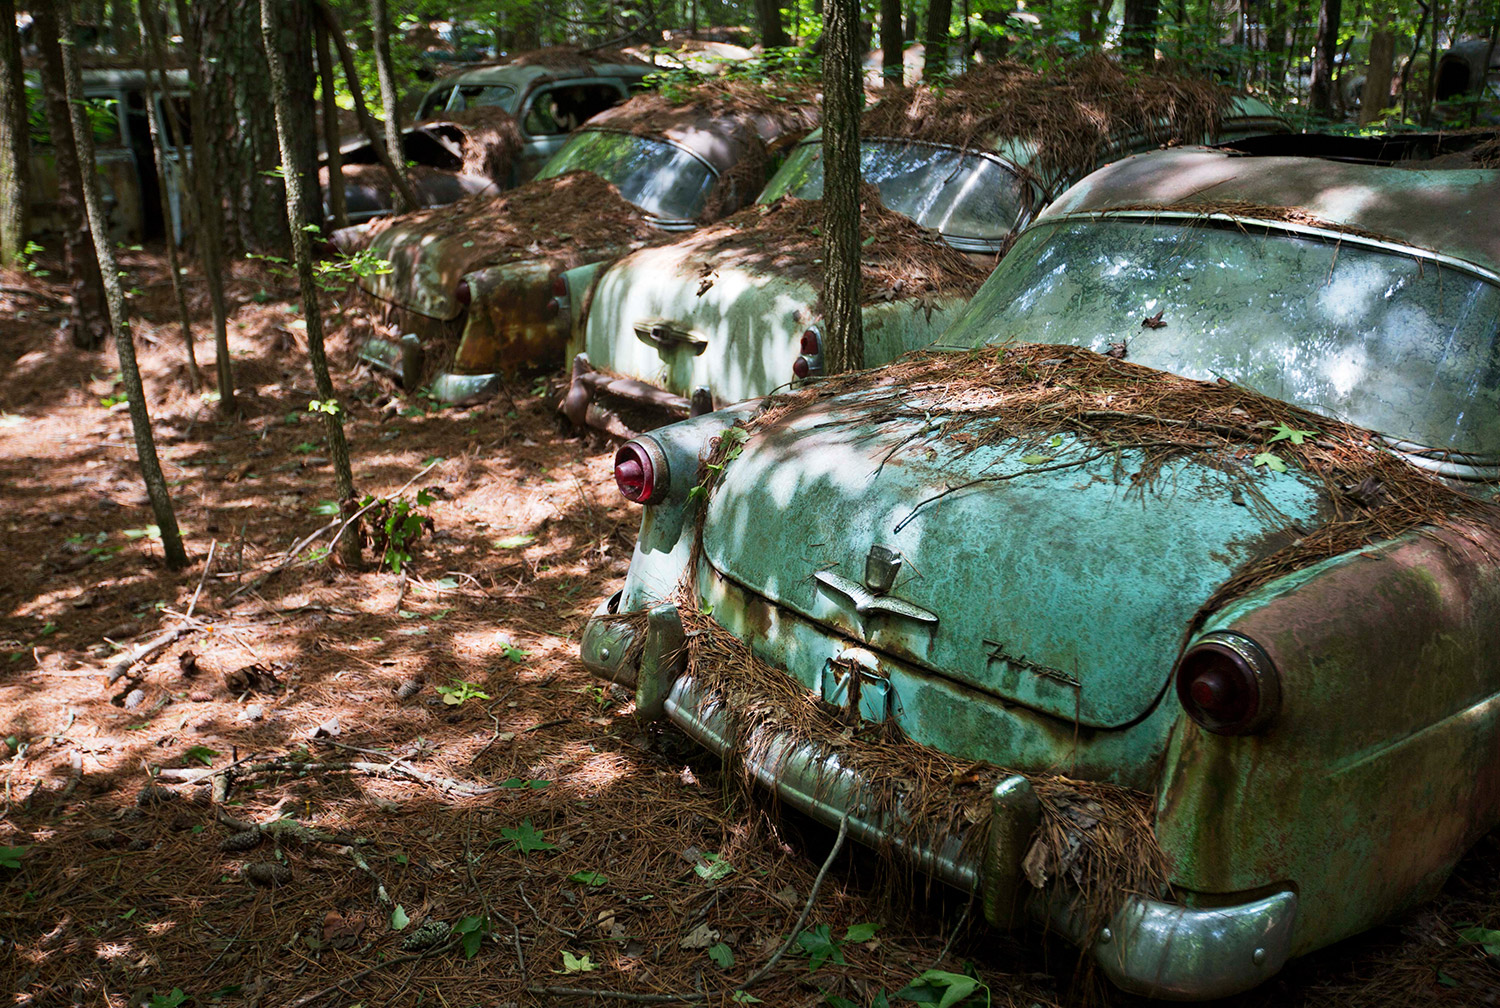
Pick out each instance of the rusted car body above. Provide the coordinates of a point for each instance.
(135, 205)
(674, 167)
(544, 96)
(1295, 672)
(754, 317)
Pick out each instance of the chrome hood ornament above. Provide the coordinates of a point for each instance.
(882, 564)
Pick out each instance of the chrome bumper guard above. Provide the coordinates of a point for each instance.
(1149, 947)
(585, 386)
(402, 358)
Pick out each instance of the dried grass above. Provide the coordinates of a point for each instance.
(1074, 114)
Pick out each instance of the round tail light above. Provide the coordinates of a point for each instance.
(559, 286)
(811, 346)
(641, 471)
(1228, 685)
(801, 368)
(554, 308)
(463, 294)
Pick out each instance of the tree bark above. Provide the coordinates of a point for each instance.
(380, 22)
(210, 209)
(1377, 91)
(1320, 93)
(892, 43)
(939, 18)
(1138, 36)
(86, 318)
(399, 181)
(843, 99)
(328, 404)
(151, 43)
(140, 420)
(768, 15)
(14, 145)
(337, 205)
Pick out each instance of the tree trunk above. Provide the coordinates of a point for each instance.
(14, 145)
(939, 17)
(892, 45)
(1377, 91)
(337, 205)
(843, 99)
(86, 319)
(210, 209)
(140, 420)
(399, 181)
(768, 15)
(380, 22)
(151, 43)
(328, 404)
(1138, 36)
(1320, 94)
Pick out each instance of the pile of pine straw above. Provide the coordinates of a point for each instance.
(1029, 392)
(571, 218)
(1074, 115)
(1096, 838)
(901, 259)
(491, 140)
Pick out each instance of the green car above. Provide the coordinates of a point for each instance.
(1158, 602)
(735, 311)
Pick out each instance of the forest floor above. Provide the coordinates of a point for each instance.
(430, 801)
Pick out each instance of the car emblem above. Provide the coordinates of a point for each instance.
(882, 564)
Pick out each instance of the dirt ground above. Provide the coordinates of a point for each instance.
(427, 800)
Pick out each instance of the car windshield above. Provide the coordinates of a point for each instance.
(484, 96)
(960, 193)
(1392, 342)
(661, 178)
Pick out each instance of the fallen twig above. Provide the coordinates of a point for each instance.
(812, 894)
(122, 664)
(601, 992)
(308, 999)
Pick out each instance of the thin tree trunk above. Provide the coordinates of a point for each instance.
(1377, 92)
(404, 191)
(939, 17)
(843, 98)
(892, 46)
(130, 374)
(328, 405)
(1484, 72)
(337, 205)
(210, 216)
(14, 152)
(1430, 95)
(1320, 93)
(150, 42)
(87, 319)
(1416, 44)
(768, 16)
(1138, 36)
(380, 22)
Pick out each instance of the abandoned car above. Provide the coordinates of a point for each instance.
(489, 128)
(734, 311)
(1158, 602)
(489, 269)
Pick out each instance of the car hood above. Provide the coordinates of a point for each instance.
(1065, 588)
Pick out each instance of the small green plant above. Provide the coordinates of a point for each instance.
(10, 857)
(589, 878)
(461, 692)
(201, 754)
(172, 1000)
(819, 945)
(526, 837)
(941, 989)
(395, 524)
(576, 964)
(598, 695)
(713, 867)
(26, 259)
(721, 954)
(471, 931)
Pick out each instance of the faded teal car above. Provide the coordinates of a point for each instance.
(1199, 504)
(731, 313)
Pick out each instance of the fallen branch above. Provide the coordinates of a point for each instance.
(122, 664)
(600, 992)
(283, 765)
(812, 894)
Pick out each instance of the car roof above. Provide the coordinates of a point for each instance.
(521, 76)
(718, 137)
(1443, 209)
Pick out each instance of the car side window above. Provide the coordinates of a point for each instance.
(562, 109)
(435, 103)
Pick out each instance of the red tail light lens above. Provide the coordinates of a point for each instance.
(559, 286)
(554, 308)
(1228, 685)
(811, 346)
(462, 294)
(801, 368)
(641, 471)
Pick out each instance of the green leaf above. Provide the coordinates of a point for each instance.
(722, 955)
(526, 837)
(511, 542)
(1292, 434)
(327, 509)
(744, 997)
(834, 1001)
(512, 652)
(939, 988)
(471, 942)
(588, 878)
(1270, 461)
(818, 944)
(1486, 938)
(10, 857)
(203, 754)
(399, 920)
(1036, 459)
(1446, 980)
(525, 782)
(576, 964)
(698, 492)
(861, 932)
(713, 867)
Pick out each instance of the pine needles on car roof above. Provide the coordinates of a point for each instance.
(1026, 392)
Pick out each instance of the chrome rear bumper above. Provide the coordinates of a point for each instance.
(1149, 947)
